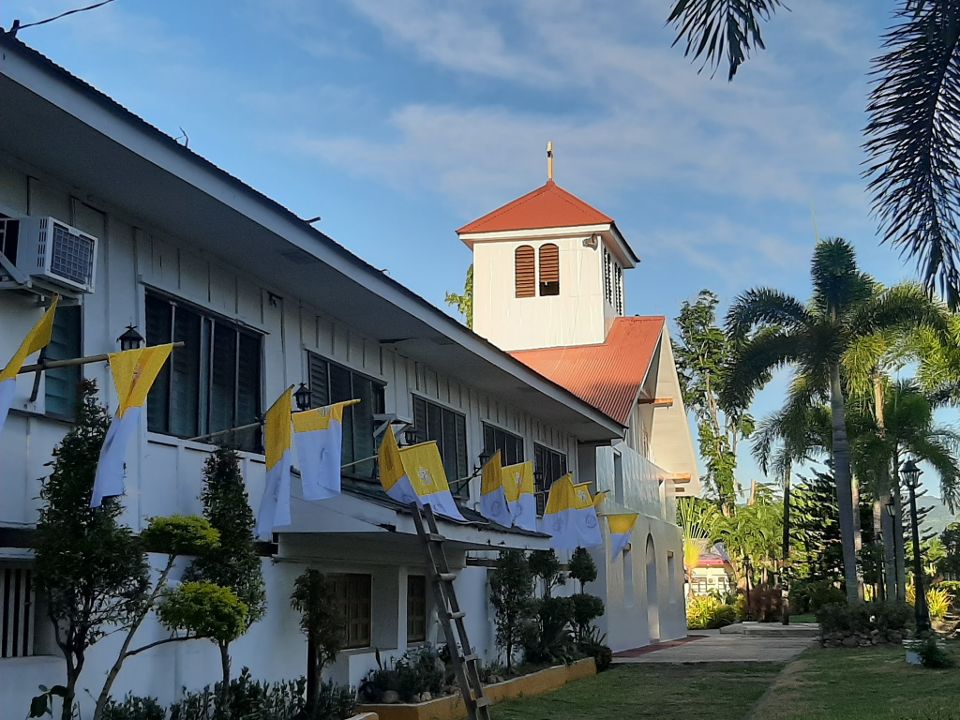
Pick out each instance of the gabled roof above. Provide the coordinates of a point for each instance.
(548, 206)
(609, 375)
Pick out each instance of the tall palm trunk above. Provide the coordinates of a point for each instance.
(841, 473)
(897, 529)
(785, 590)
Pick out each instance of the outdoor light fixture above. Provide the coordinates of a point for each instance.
(130, 339)
(911, 476)
(484, 457)
(891, 507)
(302, 397)
(410, 435)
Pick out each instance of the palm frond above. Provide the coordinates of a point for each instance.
(838, 283)
(943, 459)
(901, 308)
(761, 306)
(752, 363)
(914, 140)
(714, 29)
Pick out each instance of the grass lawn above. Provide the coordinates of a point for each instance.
(861, 684)
(803, 618)
(718, 691)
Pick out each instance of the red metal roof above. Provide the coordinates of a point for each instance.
(548, 206)
(608, 375)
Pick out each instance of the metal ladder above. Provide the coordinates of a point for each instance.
(448, 610)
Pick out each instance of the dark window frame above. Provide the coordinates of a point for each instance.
(417, 608)
(353, 593)
(202, 375)
(510, 445)
(456, 460)
(548, 466)
(354, 416)
(18, 617)
(65, 377)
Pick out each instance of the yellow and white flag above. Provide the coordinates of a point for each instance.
(587, 521)
(621, 528)
(318, 437)
(133, 374)
(37, 339)
(278, 438)
(518, 485)
(415, 475)
(493, 494)
(558, 516)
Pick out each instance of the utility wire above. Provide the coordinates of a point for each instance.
(17, 26)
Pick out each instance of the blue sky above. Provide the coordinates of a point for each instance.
(399, 121)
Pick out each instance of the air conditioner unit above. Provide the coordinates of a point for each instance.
(49, 250)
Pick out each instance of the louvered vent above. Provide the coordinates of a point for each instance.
(525, 272)
(549, 269)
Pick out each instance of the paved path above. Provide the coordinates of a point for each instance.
(714, 646)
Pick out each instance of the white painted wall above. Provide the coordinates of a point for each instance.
(577, 316)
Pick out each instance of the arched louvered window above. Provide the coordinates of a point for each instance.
(549, 269)
(525, 271)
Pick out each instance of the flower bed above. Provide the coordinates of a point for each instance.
(451, 707)
(862, 624)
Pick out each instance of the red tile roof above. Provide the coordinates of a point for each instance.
(608, 375)
(548, 206)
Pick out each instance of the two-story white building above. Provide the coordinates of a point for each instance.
(262, 300)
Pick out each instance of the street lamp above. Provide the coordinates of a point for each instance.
(130, 339)
(302, 397)
(911, 475)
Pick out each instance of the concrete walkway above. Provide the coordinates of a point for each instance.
(703, 646)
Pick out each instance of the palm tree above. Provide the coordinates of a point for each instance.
(771, 329)
(698, 522)
(914, 109)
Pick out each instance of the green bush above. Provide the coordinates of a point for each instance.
(133, 707)
(549, 638)
(808, 596)
(586, 609)
(594, 645)
(932, 655)
(864, 618)
(417, 671)
(708, 613)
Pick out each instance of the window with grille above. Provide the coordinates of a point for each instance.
(16, 611)
(449, 428)
(352, 594)
(607, 290)
(62, 385)
(548, 466)
(416, 608)
(212, 383)
(549, 269)
(509, 445)
(330, 383)
(524, 271)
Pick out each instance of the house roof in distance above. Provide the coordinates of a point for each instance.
(608, 375)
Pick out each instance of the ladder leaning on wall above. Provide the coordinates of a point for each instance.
(450, 615)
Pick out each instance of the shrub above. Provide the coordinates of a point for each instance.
(548, 638)
(594, 645)
(417, 671)
(133, 707)
(879, 622)
(708, 613)
(581, 567)
(511, 591)
(932, 655)
(844, 619)
(586, 609)
(808, 596)
(938, 603)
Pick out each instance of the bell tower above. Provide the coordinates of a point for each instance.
(547, 270)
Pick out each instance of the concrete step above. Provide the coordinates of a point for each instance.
(806, 630)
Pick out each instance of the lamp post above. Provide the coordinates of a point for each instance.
(130, 339)
(911, 474)
(896, 537)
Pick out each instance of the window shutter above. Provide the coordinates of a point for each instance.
(549, 269)
(319, 385)
(159, 316)
(525, 271)
(420, 418)
(61, 389)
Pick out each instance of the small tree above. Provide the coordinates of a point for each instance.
(208, 611)
(234, 563)
(173, 536)
(464, 302)
(321, 622)
(582, 568)
(586, 609)
(511, 592)
(545, 565)
(92, 569)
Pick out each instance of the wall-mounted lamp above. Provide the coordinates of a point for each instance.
(130, 339)
(302, 397)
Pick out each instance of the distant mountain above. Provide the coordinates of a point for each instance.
(939, 515)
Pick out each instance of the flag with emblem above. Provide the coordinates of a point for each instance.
(133, 374)
(586, 518)
(278, 437)
(621, 529)
(37, 339)
(493, 495)
(558, 516)
(318, 439)
(415, 474)
(519, 489)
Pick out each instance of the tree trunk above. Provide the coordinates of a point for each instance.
(841, 473)
(225, 680)
(784, 585)
(897, 523)
(66, 712)
(313, 677)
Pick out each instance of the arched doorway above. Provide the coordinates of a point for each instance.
(653, 609)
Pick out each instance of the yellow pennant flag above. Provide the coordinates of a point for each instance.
(493, 493)
(621, 529)
(133, 374)
(37, 339)
(318, 438)
(558, 516)
(278, 439)
(519, 486)
(587, 521)
(415, 475)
